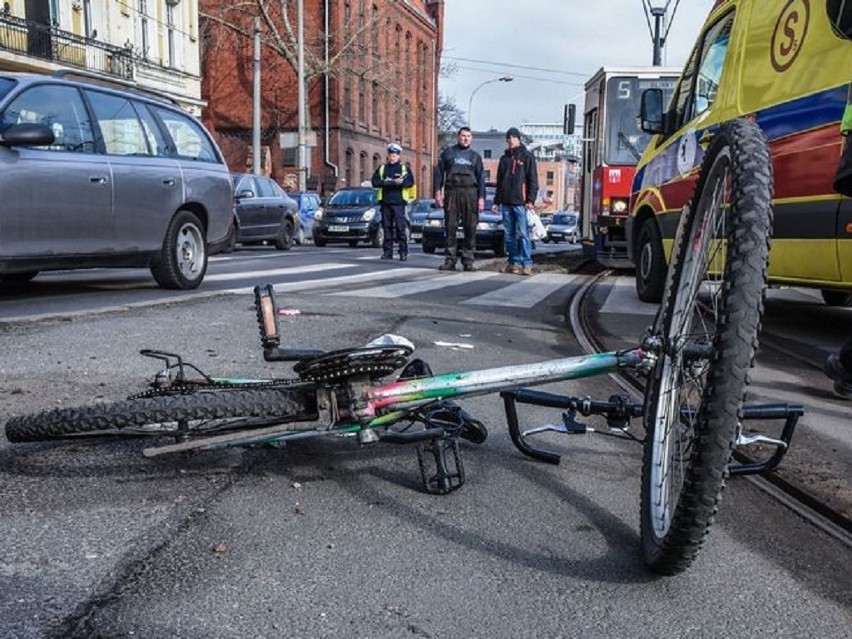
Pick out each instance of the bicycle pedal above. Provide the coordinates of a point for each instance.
(441, 468)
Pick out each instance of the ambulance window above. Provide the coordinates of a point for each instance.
(840, 16)
(712, 61)
(701, 75)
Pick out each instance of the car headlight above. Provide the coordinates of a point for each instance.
(487, 226)
(368, 215)
(318, 214)
(436, 223)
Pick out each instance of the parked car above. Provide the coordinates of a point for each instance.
(94, 176)
(418, 212)
(489, 233)
(309, 203)
(563, 227)
(264, 212)
(351, 215)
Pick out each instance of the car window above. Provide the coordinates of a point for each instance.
(189, 138)
(266, 187)
(121, 128)
(59, 107)
(156, 141)
(245, 183)
(6, 85)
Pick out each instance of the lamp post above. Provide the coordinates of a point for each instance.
(505, 78)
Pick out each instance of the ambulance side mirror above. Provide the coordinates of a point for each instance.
(651, 111)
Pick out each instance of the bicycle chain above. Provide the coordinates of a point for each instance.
(325, 368)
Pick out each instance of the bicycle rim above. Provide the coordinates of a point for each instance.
(711, 316)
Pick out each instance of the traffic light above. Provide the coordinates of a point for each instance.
(568, 119)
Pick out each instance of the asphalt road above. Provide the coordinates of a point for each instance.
(325, 539)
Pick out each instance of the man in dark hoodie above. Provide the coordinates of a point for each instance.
(517, 187)
(459, 187)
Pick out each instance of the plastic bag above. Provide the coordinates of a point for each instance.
(537, 230)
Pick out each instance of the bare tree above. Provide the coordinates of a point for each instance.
(450, 118)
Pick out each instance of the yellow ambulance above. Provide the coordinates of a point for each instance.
(787, 65)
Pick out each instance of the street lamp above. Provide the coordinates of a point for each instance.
(505, 78)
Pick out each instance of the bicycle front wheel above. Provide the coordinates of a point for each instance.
(708, 333)
(194, 414)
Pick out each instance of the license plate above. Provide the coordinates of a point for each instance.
(338, 229)
(416, 236)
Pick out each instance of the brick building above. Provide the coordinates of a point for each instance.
(375, 82)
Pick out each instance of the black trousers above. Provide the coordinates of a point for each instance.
(394, 227)
(461, 210)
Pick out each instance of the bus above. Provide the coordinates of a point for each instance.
(612, 146)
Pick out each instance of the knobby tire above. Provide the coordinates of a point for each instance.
(202, 412)
(693, 404)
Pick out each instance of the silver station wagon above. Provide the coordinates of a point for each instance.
(92, 176)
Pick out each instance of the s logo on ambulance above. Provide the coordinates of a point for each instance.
(789, 34)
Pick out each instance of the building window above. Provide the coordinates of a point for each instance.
(362, 100)
(362, 170)
(374, 105)
(170, 34)
(347, 98)
(486, 154)
(348, 167)
(549, 178)
(143, 27)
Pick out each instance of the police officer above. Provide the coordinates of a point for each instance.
(459, 187)
(390, 179)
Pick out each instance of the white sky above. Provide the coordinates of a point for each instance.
(565, 40)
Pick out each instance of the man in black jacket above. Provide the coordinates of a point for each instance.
(517, 187)
(390, 179)
(459, 187)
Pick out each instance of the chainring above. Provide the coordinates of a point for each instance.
(374, 362)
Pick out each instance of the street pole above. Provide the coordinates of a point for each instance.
(505, 78)
(300, 34)
(255, 111)
(659, 14)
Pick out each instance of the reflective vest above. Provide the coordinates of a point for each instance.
(409, 193)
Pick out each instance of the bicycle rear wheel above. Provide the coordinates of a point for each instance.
(188, 415)
(708, 330)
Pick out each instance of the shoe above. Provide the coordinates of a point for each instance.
(403, 257)
(514, 269)
(469, 267)
(447, 266)
(842, 379)
(527, 270)
(387, 256)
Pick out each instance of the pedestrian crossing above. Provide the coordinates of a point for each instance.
(483, 288)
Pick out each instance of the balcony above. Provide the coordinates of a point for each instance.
(46, 42)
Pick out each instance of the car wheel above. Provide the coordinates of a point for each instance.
(378, 238)
(428, 248)
(300, 236)
(650, 264)
(546, 240)
(182, 260)
(500, 249)
(353, 243)
(231, 242)
(836, 298)
(320, 242)
(284, 241)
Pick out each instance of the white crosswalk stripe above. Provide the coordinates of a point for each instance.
(622, 299)
(266, 274)
(525, 293)
(421, 285)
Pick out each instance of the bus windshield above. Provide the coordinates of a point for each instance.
(625, 141)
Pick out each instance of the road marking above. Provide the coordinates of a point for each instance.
(430, 283)
(343, 279)
(622, 299)
(525, 293)
(266, 274)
